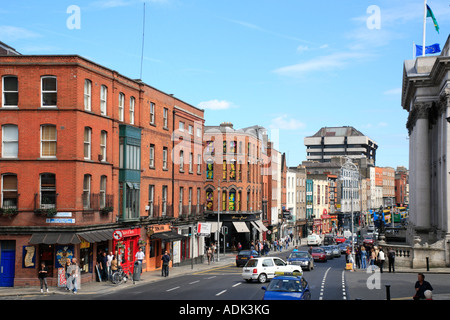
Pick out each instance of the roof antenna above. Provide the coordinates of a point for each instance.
(143, 33)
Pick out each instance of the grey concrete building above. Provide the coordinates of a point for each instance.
(331, 142)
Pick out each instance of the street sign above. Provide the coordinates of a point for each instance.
(203, 229)
(117, 235)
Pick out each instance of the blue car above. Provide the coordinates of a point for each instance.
(287, 286)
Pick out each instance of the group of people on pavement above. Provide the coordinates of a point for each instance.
(72, 275)
(366, 256)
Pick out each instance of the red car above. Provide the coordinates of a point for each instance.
(319, 254)
(368, 240)
(339, 239)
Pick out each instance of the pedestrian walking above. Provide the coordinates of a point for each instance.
(140, 255)
(66, 267)
(109, 258)
(165, 267)
(363, 258)
(381, 259)
(209, 254)
(372, 257)
(43, 272)
(74, 278)
(421, 286)
(391, 259)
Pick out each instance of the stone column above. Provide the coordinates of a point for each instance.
(422, 165)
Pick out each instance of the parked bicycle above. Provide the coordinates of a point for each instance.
(120, 276)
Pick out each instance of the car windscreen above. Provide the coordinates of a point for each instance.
(298, 255)
(290, 285)
(252, 263)
(245, 253)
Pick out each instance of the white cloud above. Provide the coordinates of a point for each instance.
(11, 33)
(396, 91)
(286, 123)
(216, 105)
(329, 62)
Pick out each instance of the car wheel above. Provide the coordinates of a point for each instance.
(262, 278)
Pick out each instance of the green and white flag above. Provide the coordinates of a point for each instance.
(431, 15)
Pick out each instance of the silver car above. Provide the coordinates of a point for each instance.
(336, 251)
(328, 252)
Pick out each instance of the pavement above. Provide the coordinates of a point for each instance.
(94, 287)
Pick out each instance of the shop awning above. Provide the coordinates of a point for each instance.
(261, 225)
(54, 238)
(241, 227)
(214, 227)
(97, 235)
(168, 236)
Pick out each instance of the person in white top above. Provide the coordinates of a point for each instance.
(381, 259)
(140, 255)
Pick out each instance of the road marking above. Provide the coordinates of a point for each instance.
(172, 289)
(223, 291)
(344, 294)
(323, 283)
(237, 284)
(211, 277)
(194, 282)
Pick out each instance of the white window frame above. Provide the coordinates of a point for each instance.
(103, 144)
(103, 100)
(3, 190)
(48, 91)
(103, 185)
(132, 105)
(6, 91)
(165, 155)
(165, 118)
(42, 139)
(121, 106)
(10, 141)
(152, 156)
(87, 95)
(152, 112)
(87, 204)
(87, 143)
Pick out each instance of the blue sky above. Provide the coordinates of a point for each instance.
(292, 66)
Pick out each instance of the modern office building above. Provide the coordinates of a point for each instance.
(331, 142)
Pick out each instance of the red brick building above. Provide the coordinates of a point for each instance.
(234, 182)
(87, 164)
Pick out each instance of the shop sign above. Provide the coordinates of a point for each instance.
(203, 229)
(120, 234)
(117, 235)
(59, 220)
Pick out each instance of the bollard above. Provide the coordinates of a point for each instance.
(388, 292)
(428, 264)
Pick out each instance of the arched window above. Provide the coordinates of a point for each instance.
(209, 200)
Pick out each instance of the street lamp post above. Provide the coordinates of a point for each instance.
(353, 170)
(218, 221)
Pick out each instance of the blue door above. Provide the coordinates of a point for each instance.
(7, 263)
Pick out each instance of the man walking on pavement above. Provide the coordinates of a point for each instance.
(165, 267)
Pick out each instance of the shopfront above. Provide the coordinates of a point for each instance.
(126, 245)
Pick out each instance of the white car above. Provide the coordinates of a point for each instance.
(262, 269)
(314, 240)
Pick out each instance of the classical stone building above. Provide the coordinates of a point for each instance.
(426, 97)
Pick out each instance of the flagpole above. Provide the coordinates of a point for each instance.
(424, 25)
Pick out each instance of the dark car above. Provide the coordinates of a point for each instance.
(301, 258)
(287, 286)
(244, 255)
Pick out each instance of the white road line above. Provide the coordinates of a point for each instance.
(211, 277)
(172, 289)
(194, 282)
(323, 283)
(237, 284)
(221, 292)
(344, 294)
